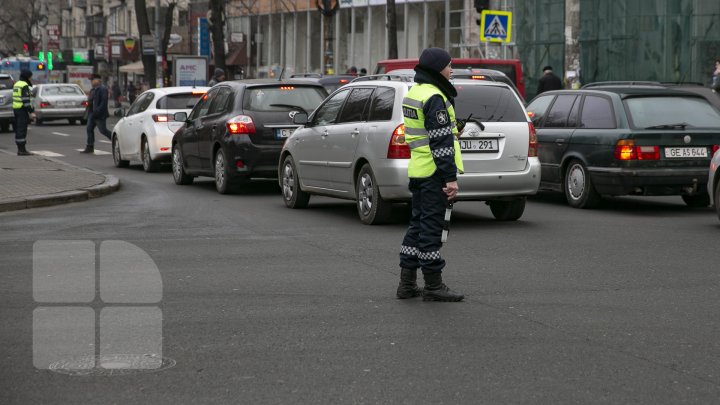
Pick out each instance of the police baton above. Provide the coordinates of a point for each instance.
(446, 224)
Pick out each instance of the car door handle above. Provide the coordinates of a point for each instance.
(324, 134)
(214, 127)
(355, 133)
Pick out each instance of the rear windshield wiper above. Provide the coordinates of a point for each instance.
(289, 106)
(679, 125)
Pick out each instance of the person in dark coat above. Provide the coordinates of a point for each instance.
(98, 114)
(117, 93)
(218, 76)
(131, 91)
(549, 81)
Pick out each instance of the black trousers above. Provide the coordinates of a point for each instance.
(22, 119)
(421, 245)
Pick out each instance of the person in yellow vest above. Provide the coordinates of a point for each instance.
(430, 131)
(23, 110)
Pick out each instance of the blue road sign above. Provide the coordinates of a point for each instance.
(495, 26)
(203, 37)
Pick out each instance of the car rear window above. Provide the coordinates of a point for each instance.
(180, 101)
(670, 110)
(61, 90)
(5, 83)
(283, 98)
(488, 103)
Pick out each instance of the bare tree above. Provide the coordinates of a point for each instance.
(149, 63)
(17, 20)
(392, 30)
(217, 25)
(166, 36)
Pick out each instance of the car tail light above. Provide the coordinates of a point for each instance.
(533, 144)
(44, 104)
(162, 117)
(625, 149)
(242, 124)
(478, 77)
(714, 149)
(398, 148)
(84, 104)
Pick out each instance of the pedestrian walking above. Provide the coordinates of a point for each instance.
(117, 93)
(715, 80)
(22, 110)
(218, 76)
(430, 131)
(131, 91)
(97, 114)
(549, 81)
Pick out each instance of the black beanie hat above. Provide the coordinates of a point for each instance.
(435, 59)
(25, 74)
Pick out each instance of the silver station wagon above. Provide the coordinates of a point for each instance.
(353, 147)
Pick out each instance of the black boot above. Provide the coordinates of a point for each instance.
(89, 149)
(435, 290)
(22, 151)
(408, 284)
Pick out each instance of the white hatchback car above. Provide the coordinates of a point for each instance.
(353, 147)
(145, 132)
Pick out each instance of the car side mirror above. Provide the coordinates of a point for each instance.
(300, 118)
(180, 116)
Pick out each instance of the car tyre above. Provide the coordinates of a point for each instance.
(371, 207)
(508, 210)
(117, 156)
(181, 178)
(223, 182)
(697, 200)
(149, 165)
(72, 121)
(579, 190)
(292, 194)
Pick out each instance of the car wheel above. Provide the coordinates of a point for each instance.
(4, 127)
(371, 207)
(508, 210)
(149, 165)
(83, 121)
(223, 183)
(697, 200)
(117, 156)
(293, 196)
(179, 175)
(71, 121)
(579, 190)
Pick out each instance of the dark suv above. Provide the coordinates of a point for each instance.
(236, 131)
(625, 139)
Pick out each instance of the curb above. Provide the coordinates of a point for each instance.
(111, 184)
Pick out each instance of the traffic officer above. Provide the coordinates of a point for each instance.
(22, 108)
(430, 131)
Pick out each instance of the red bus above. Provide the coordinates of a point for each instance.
(511, 67)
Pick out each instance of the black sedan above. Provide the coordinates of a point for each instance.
(236, 131)
(625, 139)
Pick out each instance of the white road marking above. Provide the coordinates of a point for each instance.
(46, 153)
(60, 134)
(97, 152)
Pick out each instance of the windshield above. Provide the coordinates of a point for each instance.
(283, 98)
(61, 90)
(180, 101)
(670, 110)
(488, 103)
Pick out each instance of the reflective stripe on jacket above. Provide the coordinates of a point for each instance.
(417, 134)
(21, 96)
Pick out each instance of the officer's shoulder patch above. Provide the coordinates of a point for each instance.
(442, 117)
(410, 113)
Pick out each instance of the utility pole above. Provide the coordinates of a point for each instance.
(158, 58)
(571, 72)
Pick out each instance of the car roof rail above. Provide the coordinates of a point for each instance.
(295, 75)
(384, 76)
(622, 83)
(683, 84)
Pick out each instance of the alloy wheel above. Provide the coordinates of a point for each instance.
(365, 194)
(288, 182)
(576, 182)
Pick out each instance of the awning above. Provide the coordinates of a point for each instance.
(135, 67)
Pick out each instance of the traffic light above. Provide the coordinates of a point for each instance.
(41, 56)
(481, 5)
(50, 60)
(41, 66)
(26, 48)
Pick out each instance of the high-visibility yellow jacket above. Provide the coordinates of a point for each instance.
(21, 96)
(430, 131)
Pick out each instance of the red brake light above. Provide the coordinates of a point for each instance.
(44, 104)
(714, 149)
(162, 117)
(240, 125)
(287, 87)
(84, 104)
(398, 148)
(625, 149)
(344, 80)
(533, 144)
(478, 77)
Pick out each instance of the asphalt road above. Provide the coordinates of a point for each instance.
(262, 304)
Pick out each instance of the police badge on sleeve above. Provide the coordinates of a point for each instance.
(442, 117)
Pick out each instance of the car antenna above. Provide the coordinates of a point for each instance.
(282, 72)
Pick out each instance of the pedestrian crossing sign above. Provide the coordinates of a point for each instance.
(495, 26)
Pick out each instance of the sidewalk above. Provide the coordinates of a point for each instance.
(38, 181)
